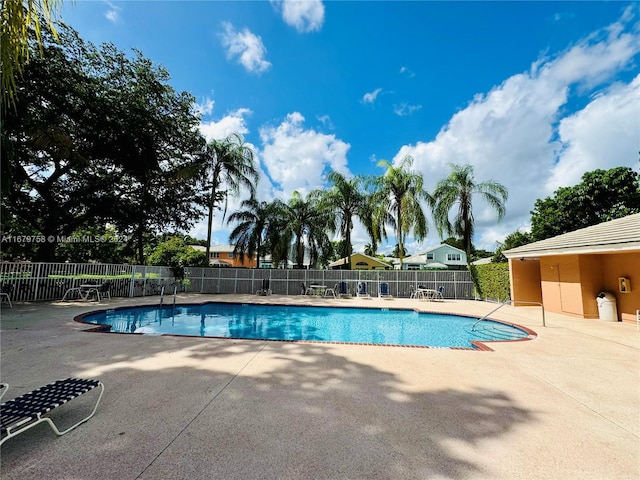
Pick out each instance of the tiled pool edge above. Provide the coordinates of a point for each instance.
(480, 345)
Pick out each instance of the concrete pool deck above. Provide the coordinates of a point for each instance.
(565, 405)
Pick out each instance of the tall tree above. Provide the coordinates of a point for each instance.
(228, 167)
(400, 191)
(250, 232)
(513, 240)
(345, 200)
(95, 137)
(456, 192)
(602, 195)
(300, 221)
(368, 250)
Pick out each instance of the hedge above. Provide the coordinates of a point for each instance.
(494, 281)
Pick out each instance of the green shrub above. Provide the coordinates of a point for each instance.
(494, 280)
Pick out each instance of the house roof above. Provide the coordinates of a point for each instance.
(222, 248)
(442, 245)
(620, 235)
(214, 248)
(342, 261)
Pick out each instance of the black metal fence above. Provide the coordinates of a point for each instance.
(29, 281)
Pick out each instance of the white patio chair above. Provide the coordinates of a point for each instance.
(5, 294)
(331, 291)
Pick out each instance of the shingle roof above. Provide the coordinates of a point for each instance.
(622, 234)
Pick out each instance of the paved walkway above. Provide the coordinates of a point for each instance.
(565, 405)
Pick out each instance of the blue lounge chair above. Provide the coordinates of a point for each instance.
(362, 290)
(384, 291)
(343, 290)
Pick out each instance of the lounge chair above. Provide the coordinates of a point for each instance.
(5, 293)
(28, 410)
(362, 290)
(412, 291)
(83, 292)
(265, 290)
(384, 291)
(343, 290)
(303, 289)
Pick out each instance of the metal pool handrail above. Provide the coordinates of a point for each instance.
(509, 302)
(175, 291)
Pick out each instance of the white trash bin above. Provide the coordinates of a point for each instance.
(607, 308)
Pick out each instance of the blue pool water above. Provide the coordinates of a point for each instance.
(320, 324)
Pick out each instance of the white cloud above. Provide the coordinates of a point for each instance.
(404, 109)
(205, 107)
(601, 135)
(406, 72)
(326, 121)
(113, 13)
(297, 159)
(233, 122)
(246, 48)
(303, 15)
(516, 134)
(371, 97)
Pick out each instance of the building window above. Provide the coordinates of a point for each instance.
(429, 256)
(215, 255)
(231, 255)
(453, 257)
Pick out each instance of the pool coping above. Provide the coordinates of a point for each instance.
(478, 345)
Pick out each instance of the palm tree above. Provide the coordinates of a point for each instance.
(400, 191)
(373, 225)
(368, 250)
(249, 234)
(457, 190)
(344, 200)
(300, 221)
(230, 163)
(19, 18)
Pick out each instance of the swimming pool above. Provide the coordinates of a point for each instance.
(303, 323)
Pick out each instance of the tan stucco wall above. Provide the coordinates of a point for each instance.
(560, 283)
(623, 265)
(525, 281)
(570, 283)
(591, 279)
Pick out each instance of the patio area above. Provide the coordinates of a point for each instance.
(563, 405)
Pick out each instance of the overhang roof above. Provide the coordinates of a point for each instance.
(620, 235)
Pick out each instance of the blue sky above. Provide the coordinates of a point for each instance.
(531, 94)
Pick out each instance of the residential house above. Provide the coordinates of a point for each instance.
(267, 262)
(359, 261)
(223, 256)
(442, 256)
